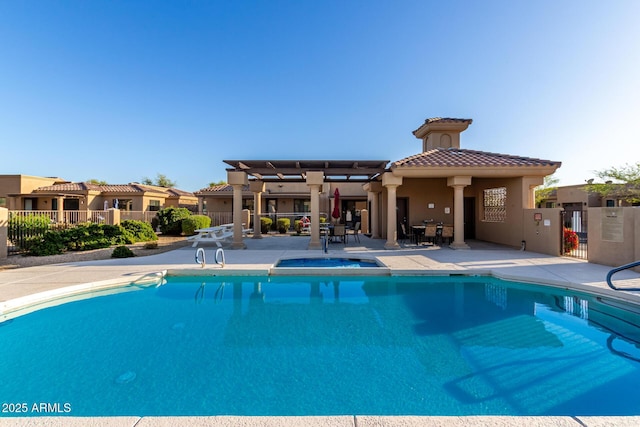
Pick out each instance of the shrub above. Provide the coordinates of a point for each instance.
(84, 237)
(151, 245)
(170, 220)
(195, 222)
(297, 225)
(283, 225)
(140, 231)
(51, 243)
(571, 241)
(265, 224)
(122, 252)
(116, 234)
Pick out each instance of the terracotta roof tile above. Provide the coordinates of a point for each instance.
(221, 188)
(116, 188)
(455, 157)
(435, 120)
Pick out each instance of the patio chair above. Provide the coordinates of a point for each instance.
(355, 231)
(339, 233)
(403, 228)
(430, 233)
(447, 233)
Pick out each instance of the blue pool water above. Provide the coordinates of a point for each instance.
(325, 346)
(327, 262)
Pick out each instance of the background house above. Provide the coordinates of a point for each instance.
(26, 193)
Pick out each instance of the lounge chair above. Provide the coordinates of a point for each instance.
(212, 234)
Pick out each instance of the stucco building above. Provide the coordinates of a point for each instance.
(481, 194)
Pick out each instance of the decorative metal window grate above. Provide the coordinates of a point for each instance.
(495, 204)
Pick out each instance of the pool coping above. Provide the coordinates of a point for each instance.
(326, 421)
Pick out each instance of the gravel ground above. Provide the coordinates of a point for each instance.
(165, 243)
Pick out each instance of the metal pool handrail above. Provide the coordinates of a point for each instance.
(617, 269)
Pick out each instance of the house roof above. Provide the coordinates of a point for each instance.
(132, 188)
(219, 189)
(456, 158)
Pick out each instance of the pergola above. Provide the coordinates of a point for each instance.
(296, 170)
(314, 172)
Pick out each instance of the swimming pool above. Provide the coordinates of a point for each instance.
(327, 346)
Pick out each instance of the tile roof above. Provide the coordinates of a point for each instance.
(456, 157)
(116, 188)
(439, 120)
(220, 188)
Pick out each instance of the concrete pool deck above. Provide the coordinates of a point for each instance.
(20, 285)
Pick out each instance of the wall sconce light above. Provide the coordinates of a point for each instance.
(431, 205)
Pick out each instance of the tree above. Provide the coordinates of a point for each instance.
(213, 184)
(544, 191)
(97, 182)
(161, 181)
(621, 183)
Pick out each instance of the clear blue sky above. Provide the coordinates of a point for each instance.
(122, 90)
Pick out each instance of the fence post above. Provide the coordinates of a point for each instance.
(4, 232)
(113, 216)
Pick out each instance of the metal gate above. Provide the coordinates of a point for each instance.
(574, 239)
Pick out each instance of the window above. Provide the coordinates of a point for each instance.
(495, 204)
(611, 203)
(301, 205)
(154, 205)
(550, 205)
(3, 201)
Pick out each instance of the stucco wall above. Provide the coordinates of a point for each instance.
(423, 192)
(605, 250)
(509, 232)
(543, 236)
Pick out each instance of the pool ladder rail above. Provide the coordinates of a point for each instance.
(621, 268)
(201, 258)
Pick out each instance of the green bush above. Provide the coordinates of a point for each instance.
(140, 231)
(265, 224)
(170, 220)
(283, 225)
(122, 252)
(84, 237)
(195, 222)
(297, 225)
(51, 243)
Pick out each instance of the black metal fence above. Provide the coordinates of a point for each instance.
(574, 233)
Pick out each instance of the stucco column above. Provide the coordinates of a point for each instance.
(458, 183)
(373, 194)
(60, 213)
(391, 183)
(4, 232)
(237, 179)
(257, 187)
(315, 179)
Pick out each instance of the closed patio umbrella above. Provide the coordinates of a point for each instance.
(336, 204)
